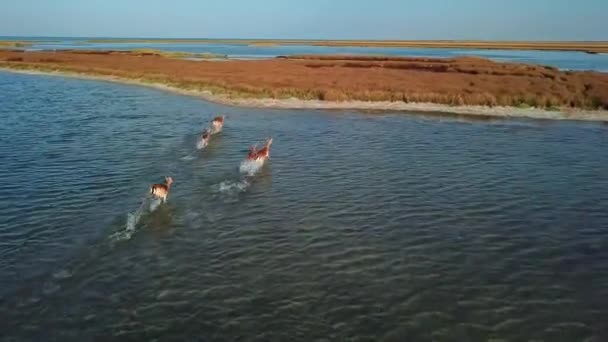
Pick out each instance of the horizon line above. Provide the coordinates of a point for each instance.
(302, 39)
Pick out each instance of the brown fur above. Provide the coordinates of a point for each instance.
(218, 119)
(217, 124)
(161, 191)
(262, 153)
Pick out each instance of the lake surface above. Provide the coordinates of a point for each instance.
(560, 59)
(362, 226)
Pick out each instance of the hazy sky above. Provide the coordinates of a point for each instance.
(327, 19)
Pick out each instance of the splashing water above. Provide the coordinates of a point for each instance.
(133, 219)
(215, 129)
(201, 144)
(62, 274)
(189, 157)
(154, 204)
(230, 191)
(251, 167)
(247, 169)
(230, 187)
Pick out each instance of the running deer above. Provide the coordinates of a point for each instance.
(161, 191)
(217, 124)
(261, 154)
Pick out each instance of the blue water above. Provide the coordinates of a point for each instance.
(362, 226)
(559, 59)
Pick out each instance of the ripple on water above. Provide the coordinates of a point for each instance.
(380, 227)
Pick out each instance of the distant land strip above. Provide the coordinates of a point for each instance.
(365, 82)
(583, 46)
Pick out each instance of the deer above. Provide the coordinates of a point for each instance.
(261, 154)
(217, 124)
(161, 191)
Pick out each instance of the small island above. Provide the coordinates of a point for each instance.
(582, 46)
(466, 85)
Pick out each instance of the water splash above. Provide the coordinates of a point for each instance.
(232, 187)
(247, 169)
(62, 274)
(215, 129)
(189, 157)
(154, 204)
(133, 219)
(251, 167)
(201, 144)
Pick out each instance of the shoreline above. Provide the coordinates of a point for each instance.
(591, 47)
(295, 103)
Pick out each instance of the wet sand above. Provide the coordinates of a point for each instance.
(471, 86)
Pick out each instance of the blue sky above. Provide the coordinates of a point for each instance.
(324, 19)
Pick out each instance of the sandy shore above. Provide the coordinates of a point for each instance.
(294, 103)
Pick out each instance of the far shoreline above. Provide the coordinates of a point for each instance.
(479, 111)
(590, 47)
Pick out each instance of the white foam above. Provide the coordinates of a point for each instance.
(62, 274)
(201, 144)
(215, 129)
(251, 167)
(189, 157)
(230, 187)
(133, 219)
(154, 204)
(163, 294)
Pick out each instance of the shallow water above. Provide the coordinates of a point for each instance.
(361, 226)
(560, 59)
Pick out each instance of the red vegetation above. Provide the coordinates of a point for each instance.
(457, 81)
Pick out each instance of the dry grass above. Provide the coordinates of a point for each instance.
(459, 81)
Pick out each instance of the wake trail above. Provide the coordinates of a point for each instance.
(201, 144)
(189, 157)
(247, 171)
(250, 167)
(229, 187)
(147, 205)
